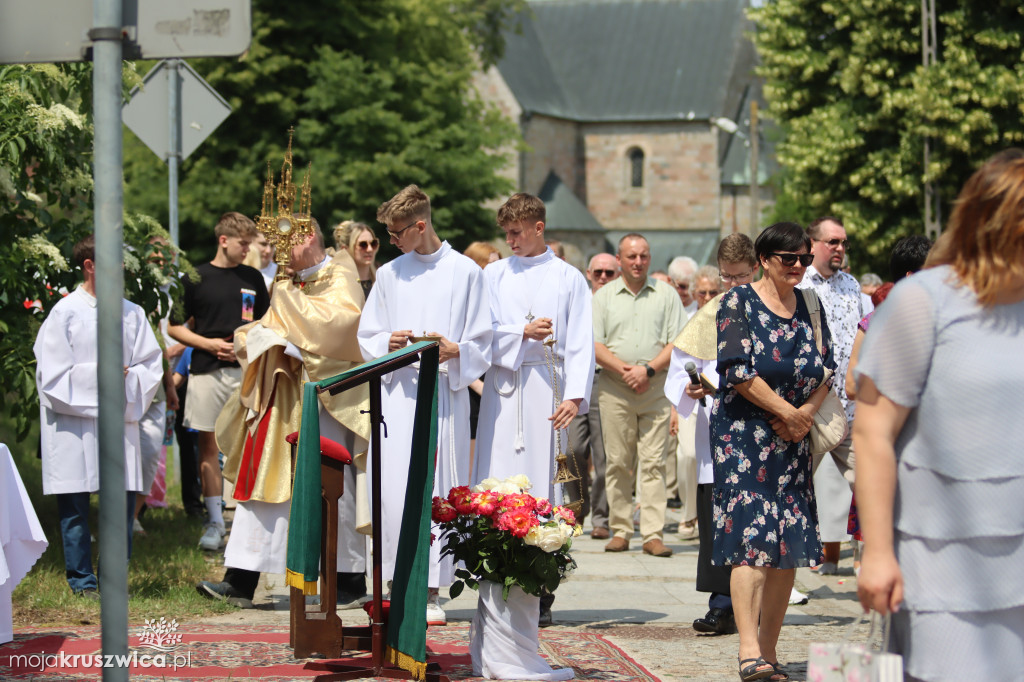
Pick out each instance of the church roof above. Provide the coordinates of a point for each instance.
(628, 60)
(564, 209)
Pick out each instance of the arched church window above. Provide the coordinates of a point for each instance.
(636, 167)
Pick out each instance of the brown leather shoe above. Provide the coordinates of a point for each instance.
(656, 547)
(617, 544)
(600, 533)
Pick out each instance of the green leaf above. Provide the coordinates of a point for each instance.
(456, 589)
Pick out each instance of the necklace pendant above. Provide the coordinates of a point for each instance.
(529, 317)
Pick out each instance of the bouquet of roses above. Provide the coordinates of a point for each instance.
(501, 533)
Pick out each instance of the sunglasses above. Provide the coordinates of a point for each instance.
(790, 259)
(373, 244)
(706, 294)
(833, 243)
(604, 273)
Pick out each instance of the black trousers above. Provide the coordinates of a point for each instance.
(709, 578)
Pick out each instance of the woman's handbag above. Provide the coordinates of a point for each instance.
(845, 661)
(829, 428)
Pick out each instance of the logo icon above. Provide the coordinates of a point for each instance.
(160, 635)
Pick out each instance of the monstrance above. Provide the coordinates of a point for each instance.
(290, 225)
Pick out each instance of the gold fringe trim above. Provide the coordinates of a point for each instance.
(299, 581)
(407, 662)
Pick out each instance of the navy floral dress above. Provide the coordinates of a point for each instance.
(764, 508)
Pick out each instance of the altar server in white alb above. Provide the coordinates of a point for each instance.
(66, 363)
(431, 290)
(534, 296)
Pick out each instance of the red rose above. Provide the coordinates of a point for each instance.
(461, 497)
(517, 521)
(441, 511)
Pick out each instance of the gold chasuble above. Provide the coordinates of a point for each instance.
(699, 337)
(319, 316)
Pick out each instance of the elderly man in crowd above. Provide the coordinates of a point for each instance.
(844, 307)
(635, 321)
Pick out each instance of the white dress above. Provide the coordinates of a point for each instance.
(441, 292)
(66, 362)
(514, 435)
(959, 507)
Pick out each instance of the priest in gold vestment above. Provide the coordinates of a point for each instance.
(309, 334)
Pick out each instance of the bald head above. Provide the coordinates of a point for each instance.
(603, 268)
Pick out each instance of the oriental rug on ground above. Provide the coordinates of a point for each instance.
(261, 652)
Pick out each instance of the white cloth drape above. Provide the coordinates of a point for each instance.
(22, 541)
(503, 639)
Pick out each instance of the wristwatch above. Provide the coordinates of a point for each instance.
(650, 370)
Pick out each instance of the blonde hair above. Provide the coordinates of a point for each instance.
(984, 241)
(480, 252)
(411, 202)
(521, 207)
(346, 234)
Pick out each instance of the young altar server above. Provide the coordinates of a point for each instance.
(534, 295)
(66, 357)
(430, 290)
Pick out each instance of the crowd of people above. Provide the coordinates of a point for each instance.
(695, 388)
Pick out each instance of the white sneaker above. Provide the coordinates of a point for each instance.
(828, 568)
(435, 614)
(137, 528)
(797, 597)
(213, 537)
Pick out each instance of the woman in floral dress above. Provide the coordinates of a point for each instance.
(772, 384)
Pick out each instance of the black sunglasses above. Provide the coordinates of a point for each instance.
(368, 245)
(790, 259)
(604, 273)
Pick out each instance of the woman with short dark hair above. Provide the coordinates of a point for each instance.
(773, 379)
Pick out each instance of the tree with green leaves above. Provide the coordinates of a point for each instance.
(379, 93)
(845, 83)
(45, 207)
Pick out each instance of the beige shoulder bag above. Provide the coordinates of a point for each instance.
(829, 427)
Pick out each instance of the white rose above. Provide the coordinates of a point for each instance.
(522, 481)
(507, 488)
(548, 538)
(486, 484)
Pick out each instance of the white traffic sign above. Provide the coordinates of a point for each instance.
(58, 30)
(147, 112)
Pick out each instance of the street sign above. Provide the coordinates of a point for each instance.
(58, 30)
(147, 112)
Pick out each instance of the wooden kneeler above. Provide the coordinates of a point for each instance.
(318, 630)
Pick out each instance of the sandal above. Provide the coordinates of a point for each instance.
(758, 669)
(780, 674)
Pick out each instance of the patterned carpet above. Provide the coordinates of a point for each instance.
(242, 653)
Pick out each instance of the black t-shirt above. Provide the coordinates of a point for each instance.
(222, 301)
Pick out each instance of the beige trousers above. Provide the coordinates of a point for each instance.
(635, 429)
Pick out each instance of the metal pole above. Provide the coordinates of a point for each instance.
(174, 145)
(108, 216)
(932, 204)
(755, 184)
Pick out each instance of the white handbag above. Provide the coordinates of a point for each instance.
(829, 427)
(846, 661)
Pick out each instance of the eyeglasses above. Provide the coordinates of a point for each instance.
(710, 293)
(790, 259)
(398, 234)
(833, 243)
(373, 244)
(603, 273)
(734, 278)
(683, 287)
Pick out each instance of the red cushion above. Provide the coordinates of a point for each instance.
(327, 447)
(385, 606)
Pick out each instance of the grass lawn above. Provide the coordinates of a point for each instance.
(165, 566)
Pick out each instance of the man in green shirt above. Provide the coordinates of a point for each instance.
(636, 319)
